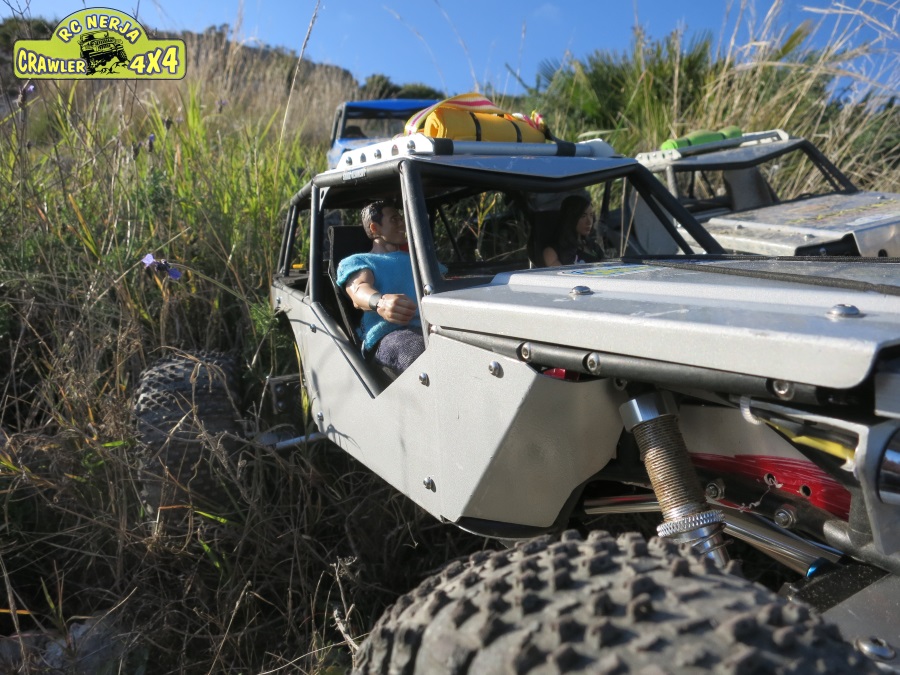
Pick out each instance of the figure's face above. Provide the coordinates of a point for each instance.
(392, 228)
(585, 222)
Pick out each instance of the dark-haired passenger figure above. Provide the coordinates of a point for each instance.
(574, 243)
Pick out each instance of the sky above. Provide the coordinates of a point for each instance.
(458, 46)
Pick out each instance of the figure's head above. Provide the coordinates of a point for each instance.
(381, 219)
(576, 215)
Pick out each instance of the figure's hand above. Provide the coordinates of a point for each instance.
(396, 308)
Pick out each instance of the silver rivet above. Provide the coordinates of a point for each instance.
(348, 160)
(320, 416)
(362, 157)
(808, 236)
(395, 150)
(580, 290)
(428, 289)
(783, 389)
(785, 517)
(429, 484)
(278, 301)
(525, 351)
(844, 312)
(495, 369)
(312, 328)
(377, 154)
(423, 378)
(875, 648)
(411, 145)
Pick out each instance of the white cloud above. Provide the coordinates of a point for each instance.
(547, 12)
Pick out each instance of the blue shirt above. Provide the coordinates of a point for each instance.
(393, 274)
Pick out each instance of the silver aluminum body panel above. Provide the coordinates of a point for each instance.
(468, 430)
(761, 327)
(872, 613)
(873, 218)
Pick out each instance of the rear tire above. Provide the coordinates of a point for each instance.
(186, 409)
(599, 605)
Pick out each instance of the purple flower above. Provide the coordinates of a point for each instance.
(29, 89)
(152, 263)
(151, 139)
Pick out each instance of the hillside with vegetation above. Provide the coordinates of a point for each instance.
(96, 175)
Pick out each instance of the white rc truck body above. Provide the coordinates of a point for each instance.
(729, 186)
(737, 395)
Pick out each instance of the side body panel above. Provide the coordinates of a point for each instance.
(510, 448)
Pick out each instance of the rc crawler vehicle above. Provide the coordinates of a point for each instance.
(735, 397)
(98, 48)
(741, 188)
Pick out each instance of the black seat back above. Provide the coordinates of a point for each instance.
(343, 241)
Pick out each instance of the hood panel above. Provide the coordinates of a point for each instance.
(755, 326)
(873, 218)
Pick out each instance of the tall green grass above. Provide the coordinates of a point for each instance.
(299, 572)
(841, 95)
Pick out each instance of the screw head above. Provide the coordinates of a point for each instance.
(429, 484)
(423, 379)
(785, 517)
(525, 352)
(320, 416)
(362, 157)
(844, 312)
(348, 160)
(580, 290)
(875, 648)
(715, 489)
(411, 145)
(495, 369)
(377, 154)
(783, 389)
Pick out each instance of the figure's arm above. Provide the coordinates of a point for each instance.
(551, 259)
(394, 307)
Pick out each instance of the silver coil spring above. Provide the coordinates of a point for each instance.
(668, 464)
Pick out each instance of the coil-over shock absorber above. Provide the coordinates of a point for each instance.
(687, 518)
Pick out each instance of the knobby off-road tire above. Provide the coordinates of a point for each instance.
(186, 409)
(600, 605)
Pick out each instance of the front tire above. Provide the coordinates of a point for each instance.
(599, 605)
(186, 410)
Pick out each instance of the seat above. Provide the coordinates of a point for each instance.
(747, 189)
(343, 241)
(649, 233)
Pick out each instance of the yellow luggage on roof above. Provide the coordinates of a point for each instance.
(472, 117)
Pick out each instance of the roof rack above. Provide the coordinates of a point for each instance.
(421, 145)
(658, 159)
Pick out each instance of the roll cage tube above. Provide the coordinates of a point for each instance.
(286, 252)
(316, 238)
(651, 198)
(425, 262)
(721, 161)
(426, 273)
